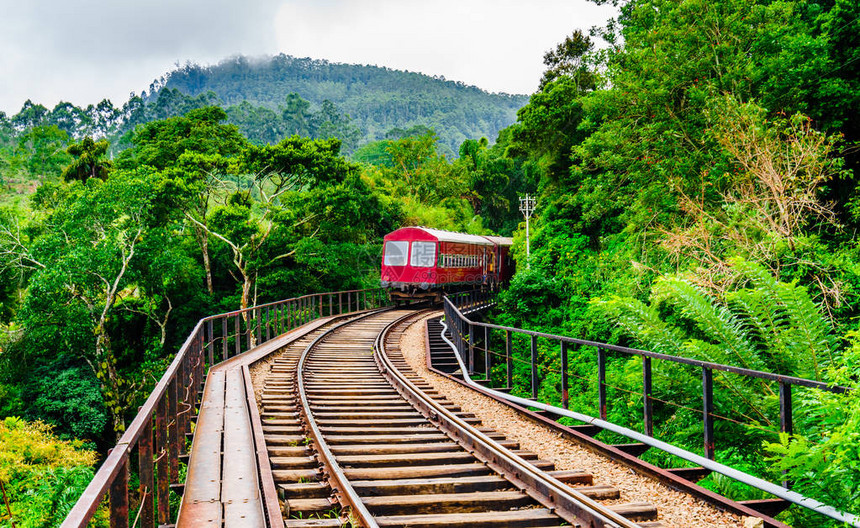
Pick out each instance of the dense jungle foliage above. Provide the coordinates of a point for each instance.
(696, 183)
(698, 197)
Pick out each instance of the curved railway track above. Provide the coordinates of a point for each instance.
(355, 436)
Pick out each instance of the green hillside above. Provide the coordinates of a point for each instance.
(376, 99)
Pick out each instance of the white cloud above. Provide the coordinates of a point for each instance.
(85, 50)
(496, 45)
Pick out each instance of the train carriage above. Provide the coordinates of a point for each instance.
(423, 262)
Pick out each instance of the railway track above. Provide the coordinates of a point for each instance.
(354, 436)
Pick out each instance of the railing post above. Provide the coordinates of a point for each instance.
(330, 305)
(471, 349)
(224, 338)
(565, 397)
(786, 424)
(119, 497)
(162, 449)
(601, 382)
(340, 303)
(268, 323)
(249, 328)
(535, 381)
(509, 359)
(147, 482)
(708, 410)
(172, 431)
(646, 395)
(303, 311)
(487, 358)
(181, 383)
(258, 316)
(320, 301)
(238, 334)
(210, 341)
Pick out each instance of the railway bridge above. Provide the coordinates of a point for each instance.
(338, 409)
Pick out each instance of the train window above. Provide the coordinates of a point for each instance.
(423, 254)
(395, 253)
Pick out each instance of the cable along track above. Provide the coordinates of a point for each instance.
(355, 436)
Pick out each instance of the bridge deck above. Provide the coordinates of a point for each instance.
(223, 484)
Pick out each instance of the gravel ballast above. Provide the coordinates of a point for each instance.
(675, 509)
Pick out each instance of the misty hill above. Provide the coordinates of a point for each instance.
(376, 99)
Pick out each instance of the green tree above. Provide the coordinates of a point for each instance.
(297, 115)
(251, 216)
(86, 259)
(328, 122)
(42, 150)
(70, 119)
(30, 116)
(569, 59)
(159, 144)
(89, 160)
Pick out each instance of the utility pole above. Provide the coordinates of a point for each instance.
(527, 207)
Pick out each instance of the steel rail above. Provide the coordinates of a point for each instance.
(337, 479)
(773, 489)
(567, 503)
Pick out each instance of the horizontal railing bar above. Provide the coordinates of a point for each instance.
(274, 303)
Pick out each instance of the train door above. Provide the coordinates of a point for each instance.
(485, 264)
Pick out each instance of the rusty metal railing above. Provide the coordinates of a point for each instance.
(473, 340)
(157, 439)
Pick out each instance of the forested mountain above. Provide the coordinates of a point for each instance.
(376, 99)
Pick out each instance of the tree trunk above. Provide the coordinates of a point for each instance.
(203, 241)
(247, 284)
(105, 370)
(207, 265)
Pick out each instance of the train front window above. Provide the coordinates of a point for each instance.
(395, 253)
(423, 254)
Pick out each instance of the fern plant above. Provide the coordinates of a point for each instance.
(764, 325)
(794, 335)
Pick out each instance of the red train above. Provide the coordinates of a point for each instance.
(423, 262)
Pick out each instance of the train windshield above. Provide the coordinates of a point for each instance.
(423, 254)
(395, 253)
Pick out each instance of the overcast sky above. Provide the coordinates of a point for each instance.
(86, 50)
